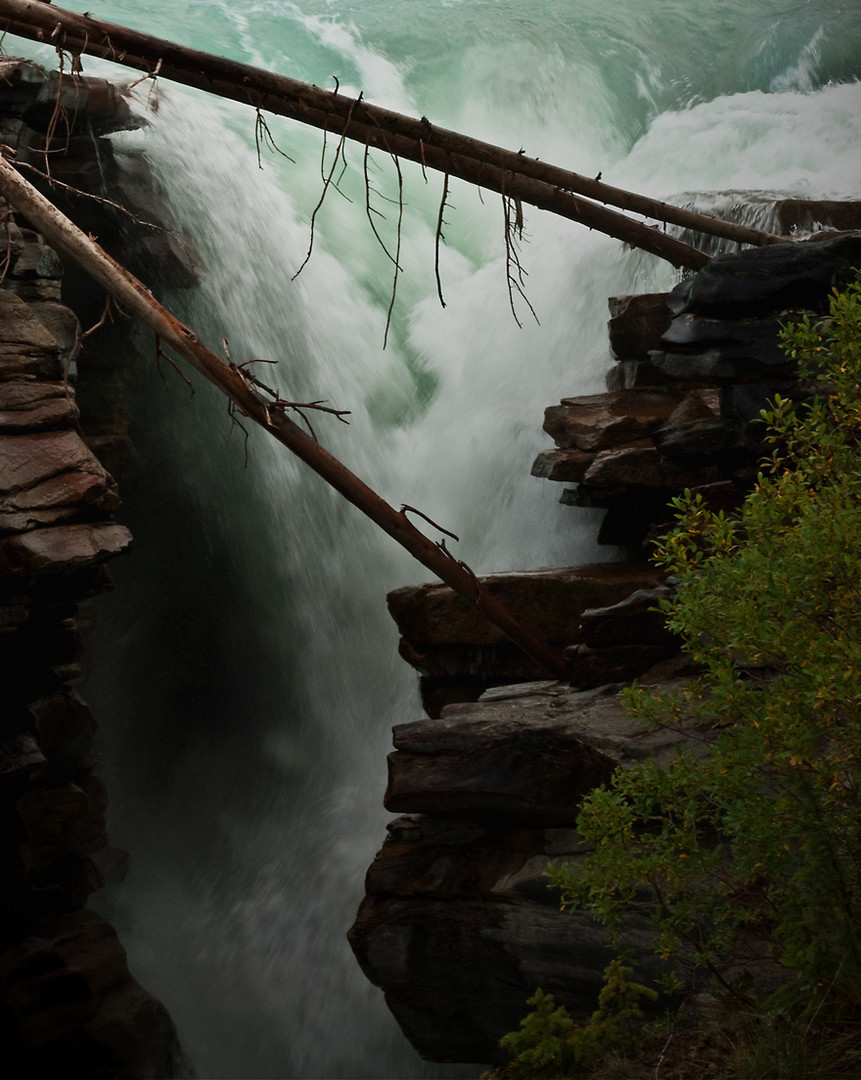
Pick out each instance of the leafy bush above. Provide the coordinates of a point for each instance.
(550, 1046)
(746, 849)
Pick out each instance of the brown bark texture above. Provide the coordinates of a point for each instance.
(510, 173)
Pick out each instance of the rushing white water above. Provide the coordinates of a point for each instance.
(246, 672)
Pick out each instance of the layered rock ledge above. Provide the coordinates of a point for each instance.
(70, 1006)
(458, 926)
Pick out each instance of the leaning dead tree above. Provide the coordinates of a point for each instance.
(512, 174)
(243, 390)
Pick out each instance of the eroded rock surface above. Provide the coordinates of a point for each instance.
(694, 369)
(460, 654)
(459, 925)
(69, 1005)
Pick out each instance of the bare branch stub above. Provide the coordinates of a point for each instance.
(412, 510)
(279, 404)
(160, 355)
(149, 75)
(82, 337)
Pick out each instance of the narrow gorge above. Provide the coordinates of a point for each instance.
(457, 926)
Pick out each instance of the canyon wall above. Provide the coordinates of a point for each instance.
(68, 1004)
(458, 926)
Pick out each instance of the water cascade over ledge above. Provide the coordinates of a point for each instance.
(245, 670)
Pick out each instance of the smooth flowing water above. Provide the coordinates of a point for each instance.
(245, 670)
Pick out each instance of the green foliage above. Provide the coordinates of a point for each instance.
(550, 1046)
(752, 836)
(747, 846)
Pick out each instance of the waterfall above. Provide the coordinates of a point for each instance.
(244, 670)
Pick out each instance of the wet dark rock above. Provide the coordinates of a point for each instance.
(635, 620)
(531, 754)
(460, 654)
(73, 1009)
(770, 279)
(459, 924)
(28, 404)
(62, 549)
(550, 600)
(598, 421)
(644, 466)
(69, 1006)
(637, 324)
(718, 357)
(564, 465)
(804, 215)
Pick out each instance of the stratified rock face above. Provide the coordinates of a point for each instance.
(459, 925)
(54, 494)
(695, 368)
(460, 654)
(530, 753)
(69, 1005)
(68, 992)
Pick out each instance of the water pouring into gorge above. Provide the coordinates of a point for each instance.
(244, 670)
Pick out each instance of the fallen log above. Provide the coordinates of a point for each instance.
(137, 300)
(510, 173)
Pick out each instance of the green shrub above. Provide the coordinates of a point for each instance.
(550, 1046)
(746, 848)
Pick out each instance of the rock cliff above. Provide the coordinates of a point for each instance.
(69, 1004)
(458, 927)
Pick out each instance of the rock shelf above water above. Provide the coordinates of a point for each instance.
(458, 925)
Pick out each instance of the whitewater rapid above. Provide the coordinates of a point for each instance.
(245, 671)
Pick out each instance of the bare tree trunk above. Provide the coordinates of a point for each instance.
(512, 174)
(135, 298)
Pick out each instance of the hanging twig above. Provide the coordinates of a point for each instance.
(57, 114)
(262, 135)
(327, 180)
(514, 235)
(438, 237)
(370, 210)
(397, 259)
